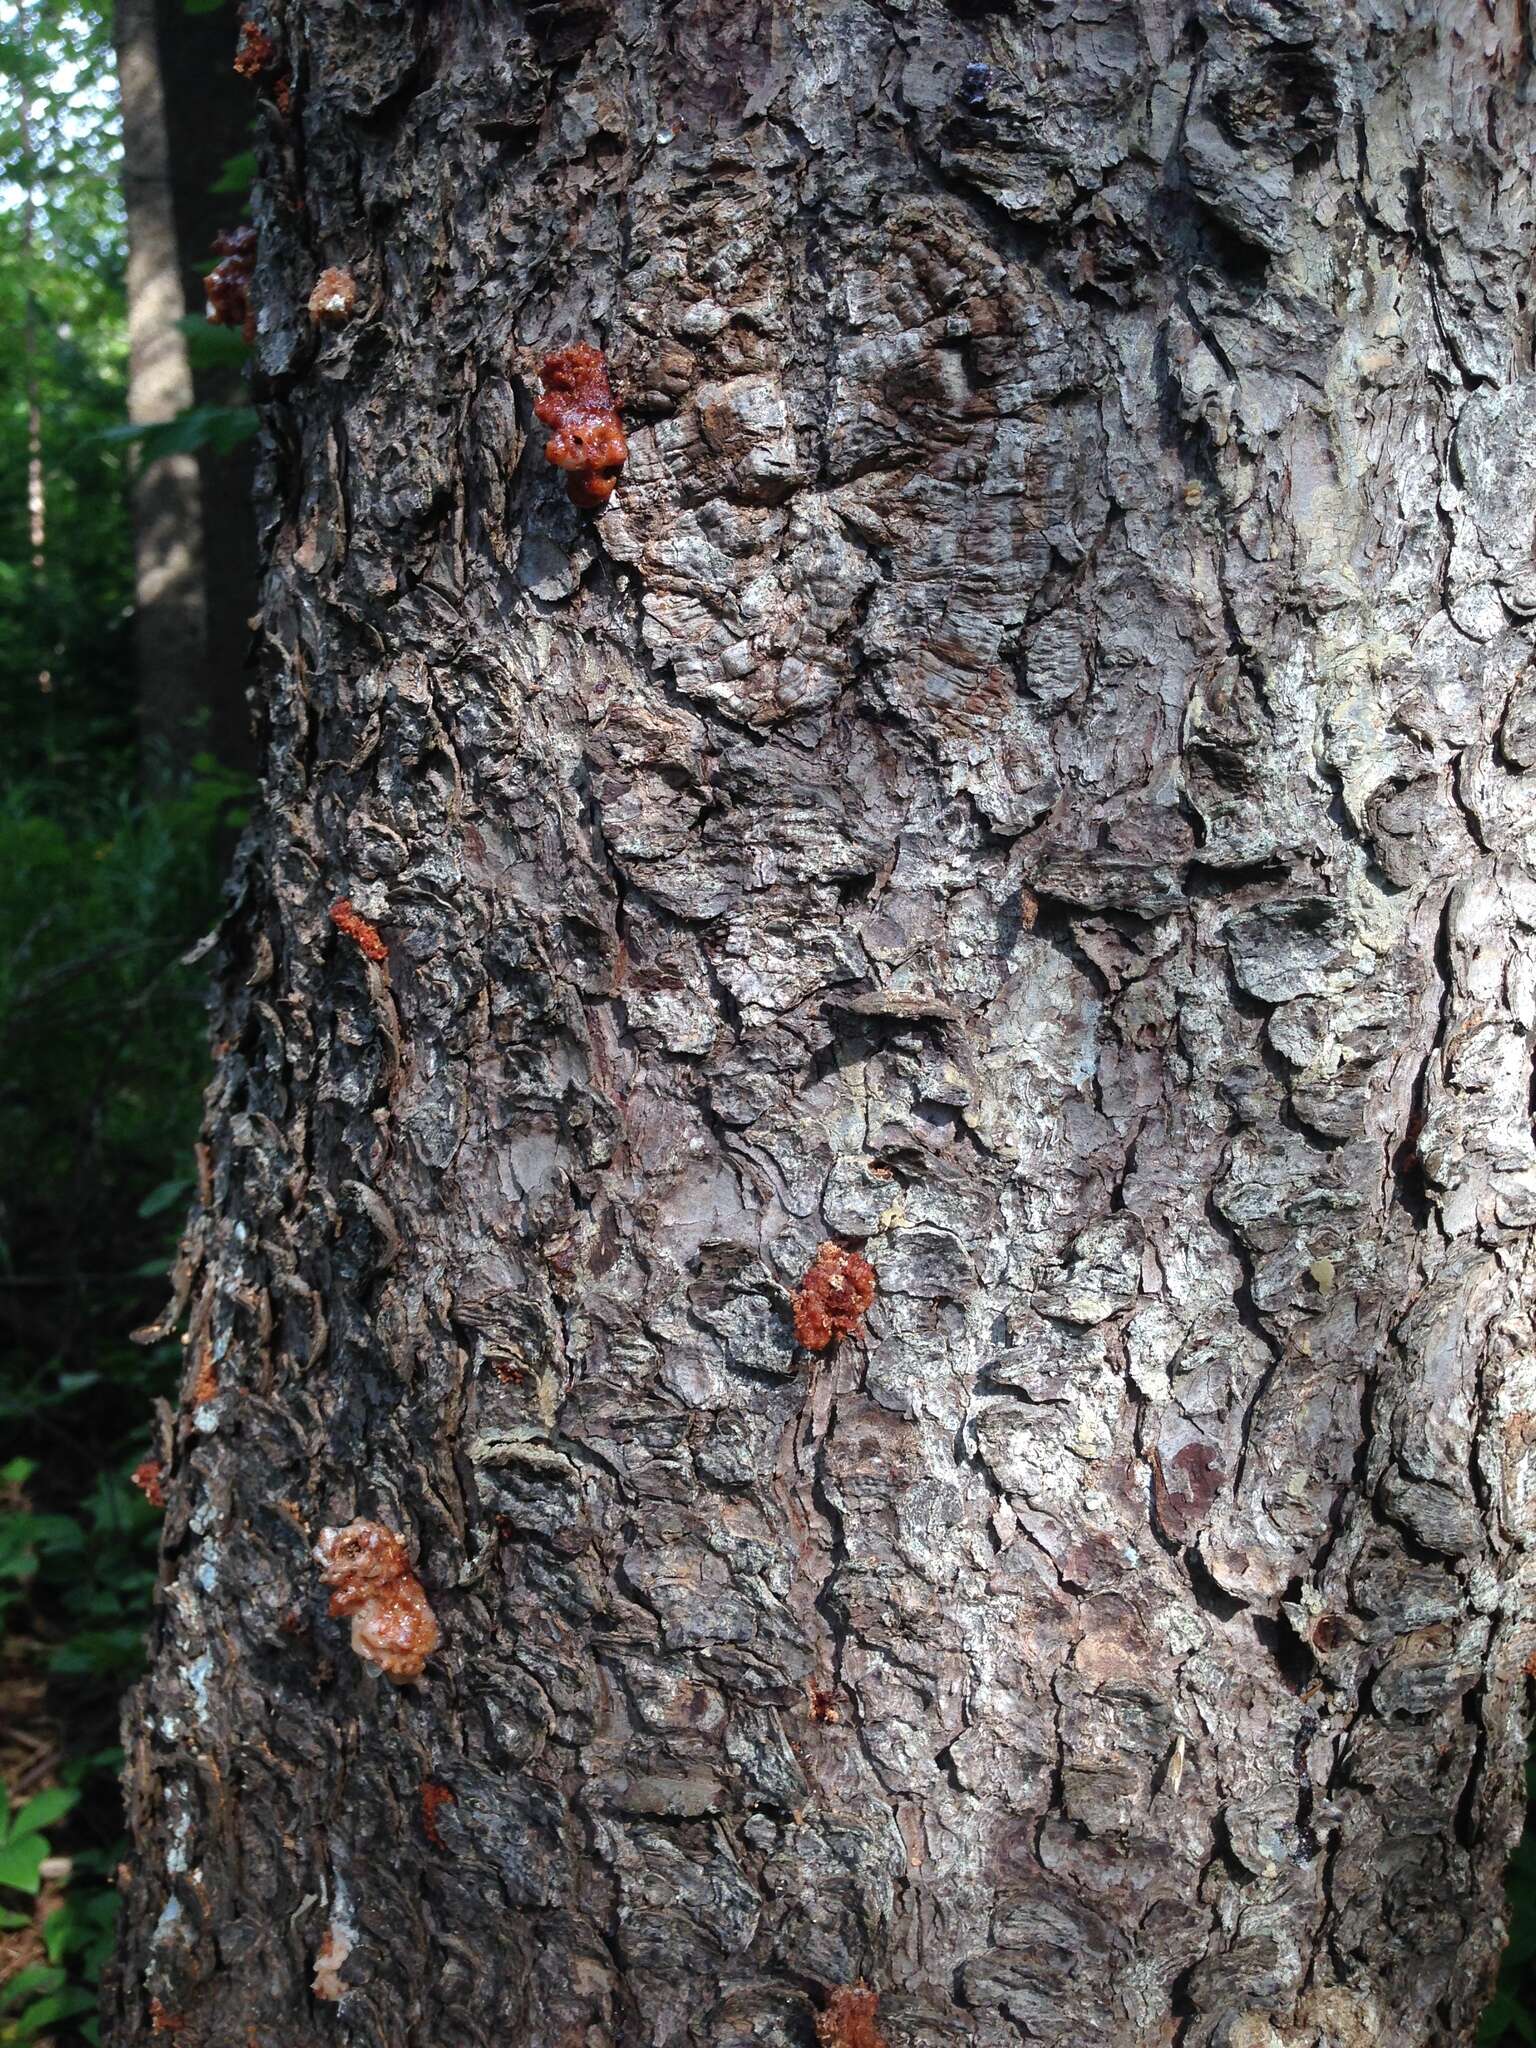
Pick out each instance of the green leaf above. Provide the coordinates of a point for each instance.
(9, 1920)
(238, 174)
(17, 1471)
(162, 1197)
(36, 1978)
(212, 348)
(1494, 2023)
(220, 427)
(21, 1858)
(102, 1652)
(1505, 2018)
(50, 1532)
(82, 1922)
(43, 1810)
(46, 2012)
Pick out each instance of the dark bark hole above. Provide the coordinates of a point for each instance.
(1306, 1838)
(563, 29)
(1466, 1805)
(513, 137)
(1293, 1657)
(1213, 1599)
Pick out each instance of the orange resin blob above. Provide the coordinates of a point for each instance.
(831, 1300)
(392, 1626)
(588, 440)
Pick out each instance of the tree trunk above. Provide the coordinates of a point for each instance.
(170, 617)
(1026, 776)
(208, 112)
(37, 484)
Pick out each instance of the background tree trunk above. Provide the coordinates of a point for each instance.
(185, 114)
(170, 612)
(1029, 775)
(208, 114)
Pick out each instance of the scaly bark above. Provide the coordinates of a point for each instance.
(1027, 776)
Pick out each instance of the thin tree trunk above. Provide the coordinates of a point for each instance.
(1028, 775)
(208, 114)
(37, 487)
(171, 627)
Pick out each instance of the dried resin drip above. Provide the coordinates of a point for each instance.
(149, 1478)
(334, 298)
(334, 1950)
(588, 440)
(358, 929)
(255, 54)
(227, 287)
(392, 1625)
(849, 2020)
(832, 1299)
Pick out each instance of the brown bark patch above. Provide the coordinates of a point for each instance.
(434, 1798)
(205, 1385)
(1184, 1488)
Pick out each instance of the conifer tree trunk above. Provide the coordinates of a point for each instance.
(1027, 777)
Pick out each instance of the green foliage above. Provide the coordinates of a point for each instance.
(37, 1999)
(23, 1846)
(99, 1019)
(222, 427)
(102, 1060)
(103, 1051)
(43, 1994)
(26, 1539)
(62, 376)
(214, 348)
(239, 173)
(1511, 2017)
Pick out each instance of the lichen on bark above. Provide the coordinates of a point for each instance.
(1027, 775)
